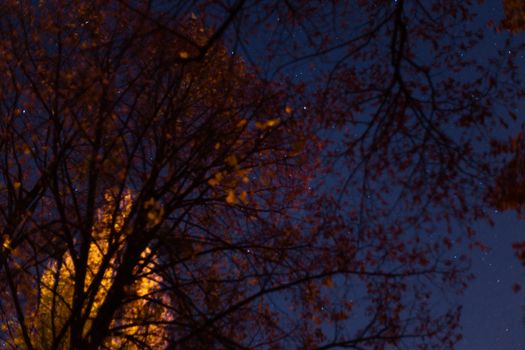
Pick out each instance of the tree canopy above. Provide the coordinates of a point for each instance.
(171, 177)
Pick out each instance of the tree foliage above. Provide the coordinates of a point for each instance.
(514, 15)
(508, 192)
(162, 186)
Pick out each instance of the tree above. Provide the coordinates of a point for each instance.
(98, 105)
(514, 15)
(508, 192)
(57, 287)
(161, 191)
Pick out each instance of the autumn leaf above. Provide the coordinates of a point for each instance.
(230, 197)
(328, 282)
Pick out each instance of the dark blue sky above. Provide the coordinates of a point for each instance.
(494, 316)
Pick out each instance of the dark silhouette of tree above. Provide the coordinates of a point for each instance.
(508, 192)
(160, 191)
(514, 15)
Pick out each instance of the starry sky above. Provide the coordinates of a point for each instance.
(493, 316)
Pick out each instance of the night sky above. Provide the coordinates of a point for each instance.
(494, 316)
